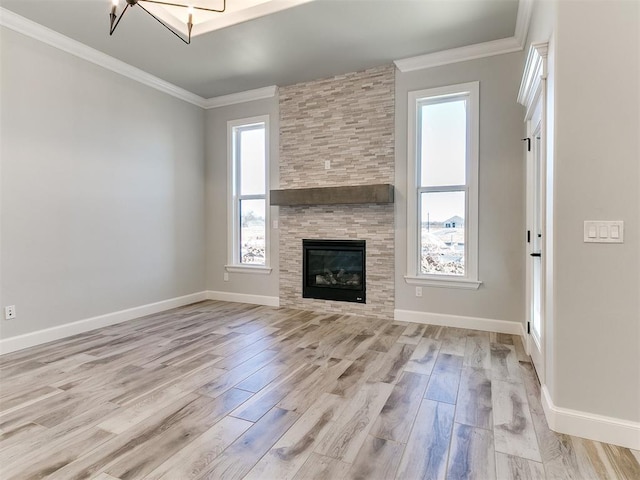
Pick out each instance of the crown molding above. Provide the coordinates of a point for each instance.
(535, 70)
(461, 54)
(54, 39)
(478, 50)
(241, 97)
(523, 20)
(39, 32)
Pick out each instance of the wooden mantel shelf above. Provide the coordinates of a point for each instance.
(347, 195)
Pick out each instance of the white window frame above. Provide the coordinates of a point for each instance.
(414, 276)
(233, 211)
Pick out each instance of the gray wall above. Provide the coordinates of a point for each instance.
(501, 192)
(102, 192)
(217, 200)
(594, 333)
(597, 177)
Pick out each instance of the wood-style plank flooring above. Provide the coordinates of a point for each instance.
(220, 390)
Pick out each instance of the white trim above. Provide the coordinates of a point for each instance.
(231, 207)
(36, 31)
(39, 32)
(532, 95)
(39, 337)
(257, 269)
(54, 39)
(535, 71)
(473, 323)
(523, 21)
(233, 252)
(241, 97)
(461, 54)
(478, 50)
(589, 425)
(243, 298)
(525, 339)
(448, 282)
(472, 91)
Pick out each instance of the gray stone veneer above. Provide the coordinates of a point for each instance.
(348, 120)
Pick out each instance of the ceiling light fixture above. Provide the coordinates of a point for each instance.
(115, 19)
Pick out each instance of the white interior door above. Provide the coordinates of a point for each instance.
(532, 95)
(535, 237)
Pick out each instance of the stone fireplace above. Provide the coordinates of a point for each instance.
(339, 132)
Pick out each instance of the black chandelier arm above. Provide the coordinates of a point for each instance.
(224, 5)
(114, 22)
(167, 26)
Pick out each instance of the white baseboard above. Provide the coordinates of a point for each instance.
(525, 339)
(473, 323)
(588, 425)
(32, 339)
(244, 298)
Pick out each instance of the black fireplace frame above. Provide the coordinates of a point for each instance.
(333, 293)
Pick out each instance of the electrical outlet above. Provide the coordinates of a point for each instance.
(10, 312)
(275, 224)
(418, 291)
(225, 276)
(327, 164)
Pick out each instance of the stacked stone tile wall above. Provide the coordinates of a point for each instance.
(349, 121)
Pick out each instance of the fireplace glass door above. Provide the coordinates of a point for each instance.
(334, 270)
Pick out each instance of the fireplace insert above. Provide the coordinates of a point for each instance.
(334, 270)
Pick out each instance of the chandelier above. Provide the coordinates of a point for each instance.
(115, 19)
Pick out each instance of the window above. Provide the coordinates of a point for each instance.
(248, 180)
(442, 209)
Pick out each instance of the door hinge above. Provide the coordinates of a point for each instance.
(528, 236)
(528, 327)
(528, 140)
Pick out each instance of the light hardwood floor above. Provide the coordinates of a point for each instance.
(221, 390)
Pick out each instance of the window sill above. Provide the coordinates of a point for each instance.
(258, 269)
(461, 283)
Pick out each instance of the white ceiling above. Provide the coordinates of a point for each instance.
(312, 40)
(205, 21)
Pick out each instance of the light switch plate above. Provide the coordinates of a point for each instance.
(601, 231)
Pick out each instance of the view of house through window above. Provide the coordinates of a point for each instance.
(249, 159)
(442, 188)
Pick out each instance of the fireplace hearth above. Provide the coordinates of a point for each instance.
(334, 270)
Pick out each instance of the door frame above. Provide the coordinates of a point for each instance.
(533, 95)
(535, 224)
